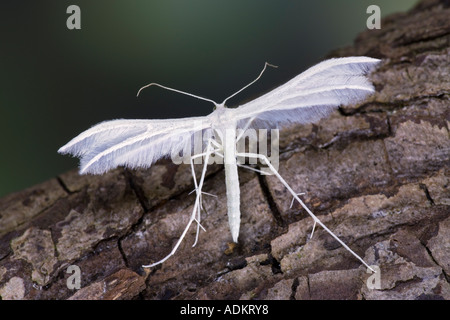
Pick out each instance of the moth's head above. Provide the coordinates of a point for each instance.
(218, 106)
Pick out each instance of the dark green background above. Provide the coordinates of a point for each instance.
(55, 82)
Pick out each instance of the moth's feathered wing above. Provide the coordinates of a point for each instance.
(311, 95)
(132, 143)
(306, 98)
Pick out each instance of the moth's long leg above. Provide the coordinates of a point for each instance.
(218, 148)
(250, 168)
(216, 144)
(194, 177)
(199, 196)
(194, 210)
(275, 172)
(202, 178)
(292, 202)
(199, 191)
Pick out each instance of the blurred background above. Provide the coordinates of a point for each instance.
(56, 82)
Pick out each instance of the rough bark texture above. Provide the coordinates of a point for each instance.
(377, 174)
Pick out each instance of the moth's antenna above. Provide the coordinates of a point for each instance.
(264, 69)
(179, 91)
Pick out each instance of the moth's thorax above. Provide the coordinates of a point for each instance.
(222, 118)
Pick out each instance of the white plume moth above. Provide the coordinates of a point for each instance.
(306, 98)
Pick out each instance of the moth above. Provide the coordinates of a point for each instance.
(304, 99)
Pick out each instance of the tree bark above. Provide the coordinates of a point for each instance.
(377, 174)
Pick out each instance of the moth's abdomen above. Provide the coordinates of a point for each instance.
(233, 199)
(232, 182)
